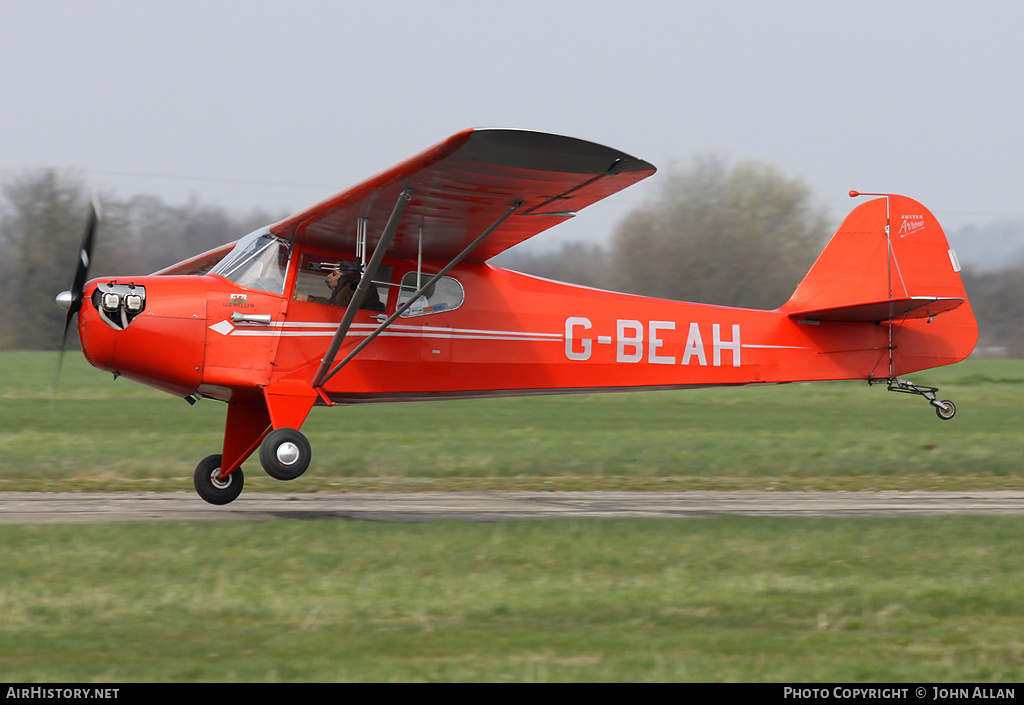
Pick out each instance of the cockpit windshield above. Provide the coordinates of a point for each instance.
(258, 261)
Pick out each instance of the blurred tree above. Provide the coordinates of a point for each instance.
(42, 220)
(997, 298)
(740, 236)
(41, 230)
(162, 234)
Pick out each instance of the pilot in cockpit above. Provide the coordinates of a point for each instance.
(343, 285)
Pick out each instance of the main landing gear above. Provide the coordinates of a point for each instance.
(284, 453)
(944, 409)
(213, 489)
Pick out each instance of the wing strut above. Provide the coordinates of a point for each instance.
(318, 382)
(364, 285)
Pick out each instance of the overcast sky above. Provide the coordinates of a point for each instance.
(282, 104)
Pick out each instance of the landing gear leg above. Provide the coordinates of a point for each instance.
(214, 489)
(944, 409)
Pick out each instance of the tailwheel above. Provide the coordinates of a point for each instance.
(285, 454)
(945, 409)
(214, 489)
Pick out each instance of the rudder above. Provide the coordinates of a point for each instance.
(889, 264)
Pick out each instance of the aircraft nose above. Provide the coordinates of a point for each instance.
(64, 300)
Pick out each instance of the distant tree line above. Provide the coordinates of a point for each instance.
(735, 235)
(42, 220)
(997, 296)
(745, 236)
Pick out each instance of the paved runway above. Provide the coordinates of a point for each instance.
(70, 508)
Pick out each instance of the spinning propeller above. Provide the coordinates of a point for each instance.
(72, 300)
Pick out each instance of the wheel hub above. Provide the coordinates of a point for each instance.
(288, 453)
(216, 481)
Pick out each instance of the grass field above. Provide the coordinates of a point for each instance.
(724, 599)
(931, 599)
(95, 433)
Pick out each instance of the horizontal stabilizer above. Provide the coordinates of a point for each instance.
(878, 311)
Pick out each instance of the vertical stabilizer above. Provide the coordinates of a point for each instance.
(889, 264)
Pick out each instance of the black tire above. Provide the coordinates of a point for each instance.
(213, 490)
(285, 454)
(945, 410)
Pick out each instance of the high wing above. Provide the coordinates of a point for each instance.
(464, 185)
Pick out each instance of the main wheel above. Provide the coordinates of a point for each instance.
(945, 409)
(213, 489)
(285, 454)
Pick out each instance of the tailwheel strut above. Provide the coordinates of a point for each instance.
(944, 409)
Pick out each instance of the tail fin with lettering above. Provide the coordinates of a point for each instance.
(889, 264)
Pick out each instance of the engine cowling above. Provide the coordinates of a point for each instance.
(149, 329)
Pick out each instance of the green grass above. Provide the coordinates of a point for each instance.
(723, 599)
(932, 599)
(95, 433)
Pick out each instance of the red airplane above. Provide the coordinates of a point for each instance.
(412, 311)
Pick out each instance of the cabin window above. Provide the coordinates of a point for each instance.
(314, 283)
(258, 261)
(446, 294)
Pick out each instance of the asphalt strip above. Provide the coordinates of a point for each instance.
(81, 508)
